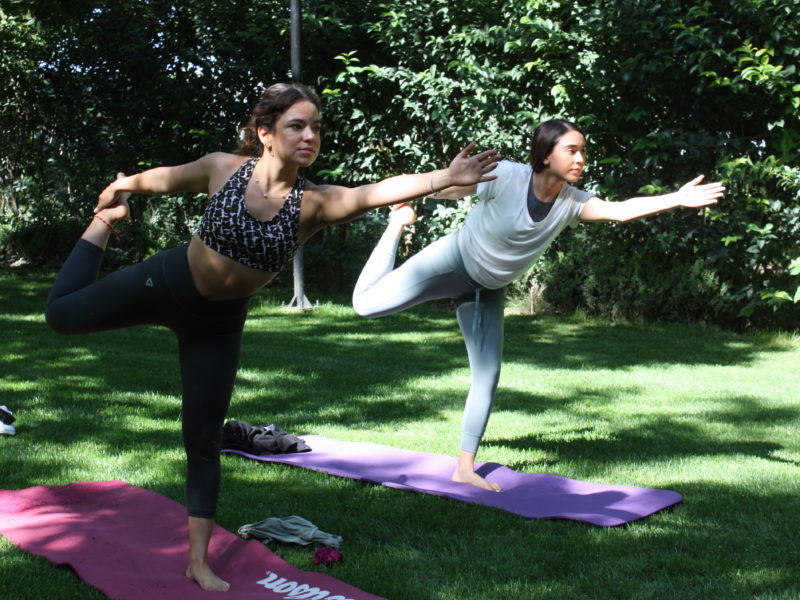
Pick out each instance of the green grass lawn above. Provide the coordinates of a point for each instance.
(713, 415)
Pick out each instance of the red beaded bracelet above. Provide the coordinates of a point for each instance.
(107, 224)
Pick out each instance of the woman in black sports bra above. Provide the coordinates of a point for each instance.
(259, 211)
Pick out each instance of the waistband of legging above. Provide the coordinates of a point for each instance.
(179, 280)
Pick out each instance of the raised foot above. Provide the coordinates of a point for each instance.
(402, 214)
(472, 478)
(205, 578)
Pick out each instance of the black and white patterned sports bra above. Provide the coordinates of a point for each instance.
(229, 229)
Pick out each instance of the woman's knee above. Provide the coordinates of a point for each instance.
(60, 320)
(203, 448)
(364, 306)
(359, 306)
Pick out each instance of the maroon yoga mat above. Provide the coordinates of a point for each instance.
(531, 495)
(132, 544)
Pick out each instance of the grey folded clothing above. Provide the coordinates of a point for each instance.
(267, 439)
(292, 530)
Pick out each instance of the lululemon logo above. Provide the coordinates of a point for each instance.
(149, 282)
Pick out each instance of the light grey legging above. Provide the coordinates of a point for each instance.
(438, 272)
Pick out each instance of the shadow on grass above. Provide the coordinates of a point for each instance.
(313, 369)
(427, 540)
(658, 439)
(670, 550)
(712, 545)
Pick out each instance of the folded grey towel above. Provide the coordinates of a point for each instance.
(291, 530)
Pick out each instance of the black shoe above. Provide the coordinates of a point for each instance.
(6, 416)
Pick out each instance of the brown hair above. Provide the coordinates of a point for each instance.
(546, 137)
(276, 100)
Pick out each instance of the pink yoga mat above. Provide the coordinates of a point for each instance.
(131, 544)
(531, 495)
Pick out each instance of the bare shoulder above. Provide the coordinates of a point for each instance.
(222, 161)
(220, 166)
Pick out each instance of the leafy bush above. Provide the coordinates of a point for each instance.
(727, 266)
(664, 91)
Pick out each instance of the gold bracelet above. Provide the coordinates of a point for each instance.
(433, 194)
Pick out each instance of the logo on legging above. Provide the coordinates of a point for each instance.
(149, 282)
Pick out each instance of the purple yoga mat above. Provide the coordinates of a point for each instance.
(132, 544)
(531, 495)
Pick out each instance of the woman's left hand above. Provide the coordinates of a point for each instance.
(469, 170)
(695, 195)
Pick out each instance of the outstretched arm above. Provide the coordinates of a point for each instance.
(456, 192)
(189, 177)
(691, 195)
(340, 204)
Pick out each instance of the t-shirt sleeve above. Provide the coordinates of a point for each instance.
(488, 189)
(578, 198)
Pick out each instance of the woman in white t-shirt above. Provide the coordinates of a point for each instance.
(518, 215)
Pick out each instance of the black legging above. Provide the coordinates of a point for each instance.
(159, 291)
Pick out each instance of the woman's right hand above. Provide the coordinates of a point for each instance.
(469, 170)
(695, 195)
(112, 195)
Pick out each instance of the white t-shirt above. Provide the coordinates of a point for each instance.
(499, 241)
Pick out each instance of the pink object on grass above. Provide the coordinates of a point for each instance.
(327, 556)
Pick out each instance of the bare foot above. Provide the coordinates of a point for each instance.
(465, 473)
(472, 478)
(402, 214)
(205, 578)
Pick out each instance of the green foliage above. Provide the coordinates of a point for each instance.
(451, 74)
(664, 91)
(41, 232)
(118, 85)
(780, 295)
(21, 47)
(447, 218)
(727, 265)
(172, 220)
(762, 233)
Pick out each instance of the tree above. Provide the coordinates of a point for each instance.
(664, 90)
